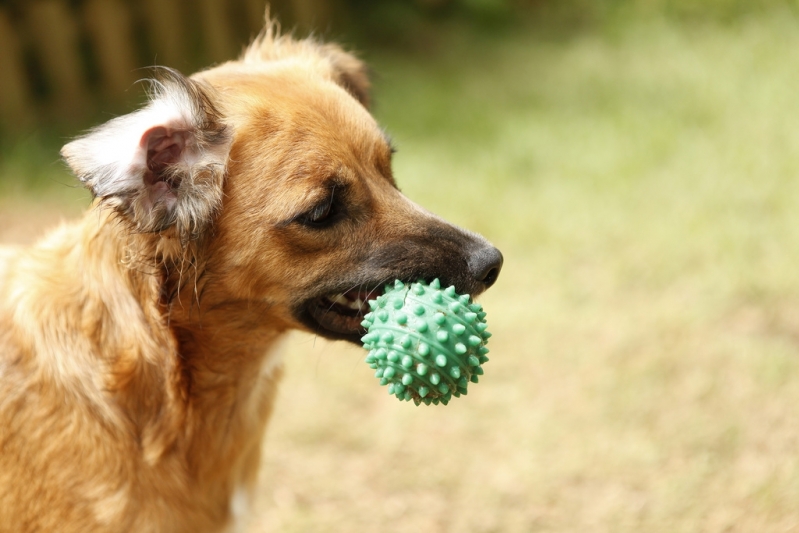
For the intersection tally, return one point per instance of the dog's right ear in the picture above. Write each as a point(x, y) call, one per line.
point(161, 166)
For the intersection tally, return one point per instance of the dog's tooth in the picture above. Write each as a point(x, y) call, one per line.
point(339, 299)
point(356, 304)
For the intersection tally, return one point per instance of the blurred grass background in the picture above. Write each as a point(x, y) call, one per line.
point(636, 163)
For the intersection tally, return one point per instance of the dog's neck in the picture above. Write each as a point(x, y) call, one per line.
point(209, 393)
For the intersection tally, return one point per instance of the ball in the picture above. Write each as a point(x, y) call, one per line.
point(426, 343)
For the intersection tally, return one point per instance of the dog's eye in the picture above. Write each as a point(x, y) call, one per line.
point(322, 214)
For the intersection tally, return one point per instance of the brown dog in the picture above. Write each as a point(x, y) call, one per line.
point(136, 371)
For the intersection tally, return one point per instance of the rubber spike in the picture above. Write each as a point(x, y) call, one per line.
point(406, 341)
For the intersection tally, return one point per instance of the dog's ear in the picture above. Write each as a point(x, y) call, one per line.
point(349, 72)
point(161, 166)
point(345, 69)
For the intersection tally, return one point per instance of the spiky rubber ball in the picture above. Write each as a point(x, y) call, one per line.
point(426, 343)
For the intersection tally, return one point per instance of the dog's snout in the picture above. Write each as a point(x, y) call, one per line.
point(485, 265)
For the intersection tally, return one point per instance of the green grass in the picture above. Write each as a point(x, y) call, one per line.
point(30, 166)
point(644, 376)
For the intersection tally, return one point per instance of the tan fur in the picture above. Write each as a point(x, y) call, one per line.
point(137, 370)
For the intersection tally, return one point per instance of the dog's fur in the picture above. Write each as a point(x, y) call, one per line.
point(136, 364)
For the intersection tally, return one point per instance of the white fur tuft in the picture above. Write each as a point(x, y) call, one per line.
point(182, 188)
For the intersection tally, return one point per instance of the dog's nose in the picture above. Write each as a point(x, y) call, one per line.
point(485, 264)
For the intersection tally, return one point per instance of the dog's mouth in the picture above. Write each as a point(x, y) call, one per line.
point(340, 314)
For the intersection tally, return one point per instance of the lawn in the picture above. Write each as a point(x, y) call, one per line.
point(640, 180)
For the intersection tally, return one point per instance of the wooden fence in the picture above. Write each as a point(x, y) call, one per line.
point(59, 58)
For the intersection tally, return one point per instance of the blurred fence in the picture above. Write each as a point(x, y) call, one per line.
point(64, 59)
point(59, 57)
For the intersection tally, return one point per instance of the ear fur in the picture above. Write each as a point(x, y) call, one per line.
point(161, 166)
point(349, 72)
point(344, 68)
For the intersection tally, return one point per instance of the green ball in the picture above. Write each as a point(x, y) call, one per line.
point(426, 343)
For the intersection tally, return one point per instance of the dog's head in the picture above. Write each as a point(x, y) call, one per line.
point(273, 172)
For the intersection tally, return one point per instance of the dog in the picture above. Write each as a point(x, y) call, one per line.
point(137, 360)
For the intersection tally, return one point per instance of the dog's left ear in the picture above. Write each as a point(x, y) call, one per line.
point(161, 166)
point(346, 70)
point(349, 72)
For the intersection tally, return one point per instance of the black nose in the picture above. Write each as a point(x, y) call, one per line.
point(485, 264)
